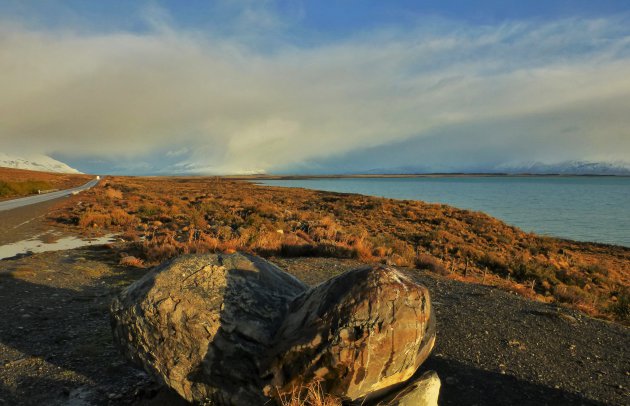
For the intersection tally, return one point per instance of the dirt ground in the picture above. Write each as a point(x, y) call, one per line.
point(25, 222)
point(493, 348)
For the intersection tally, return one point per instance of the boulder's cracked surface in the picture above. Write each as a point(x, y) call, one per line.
point(200, 323)
point(360, 333)
point(236, 330)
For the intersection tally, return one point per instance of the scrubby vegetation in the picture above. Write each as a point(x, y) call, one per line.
point(164, 217)
point(24, 188)
point(17, 182)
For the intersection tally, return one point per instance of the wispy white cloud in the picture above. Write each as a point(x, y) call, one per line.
point(178, 152)
point(541, 89)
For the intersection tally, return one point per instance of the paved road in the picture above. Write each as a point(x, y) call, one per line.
point(25, 201)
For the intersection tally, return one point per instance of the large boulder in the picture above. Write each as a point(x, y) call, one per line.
point(360, 335)
point(237, 330)
point(200, 323)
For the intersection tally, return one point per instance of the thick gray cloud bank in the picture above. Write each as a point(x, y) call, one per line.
point(173, 100)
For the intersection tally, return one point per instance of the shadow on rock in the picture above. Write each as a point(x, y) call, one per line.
point(201, 323)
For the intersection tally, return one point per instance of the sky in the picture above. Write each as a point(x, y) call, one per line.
point(227, 87)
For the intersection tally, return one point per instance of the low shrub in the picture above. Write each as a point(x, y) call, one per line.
point(121, 218)
point(113, 193)
point(495, 264)
point(23, 188)
point(571, 294)
point(94, 219)
point(621, 307)
point(131, 261)
point(430, 263)
point(148, 211)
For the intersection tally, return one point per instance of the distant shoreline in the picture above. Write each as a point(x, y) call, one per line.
point(419, 175)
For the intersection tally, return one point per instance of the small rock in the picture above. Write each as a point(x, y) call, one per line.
point(424, 391)
point(569, 318)
point(517, 344)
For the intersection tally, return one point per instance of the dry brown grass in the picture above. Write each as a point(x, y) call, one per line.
point(121, 218)
point(311, 395)
point(94, 219)
point(164, 217)
point(430, 263)
point(113, 193)
point(131, 261)
point(18, 182)
point(19, 273)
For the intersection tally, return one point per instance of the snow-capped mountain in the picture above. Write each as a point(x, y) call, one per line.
point(568, 168)
point(619, 168)
point(42, 163)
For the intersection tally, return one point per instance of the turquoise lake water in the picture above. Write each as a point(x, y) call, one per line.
point(579, 208)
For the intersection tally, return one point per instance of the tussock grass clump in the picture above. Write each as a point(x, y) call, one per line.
point(94, 219)
point(131, 261)
point(430, 263)
point(621, 306)
point(311, 395)
point(121, 218)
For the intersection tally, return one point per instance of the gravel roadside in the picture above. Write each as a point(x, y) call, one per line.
point(493, 348)
point(496, 348)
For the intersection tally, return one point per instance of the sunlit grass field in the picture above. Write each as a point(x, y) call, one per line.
point(165, 217)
